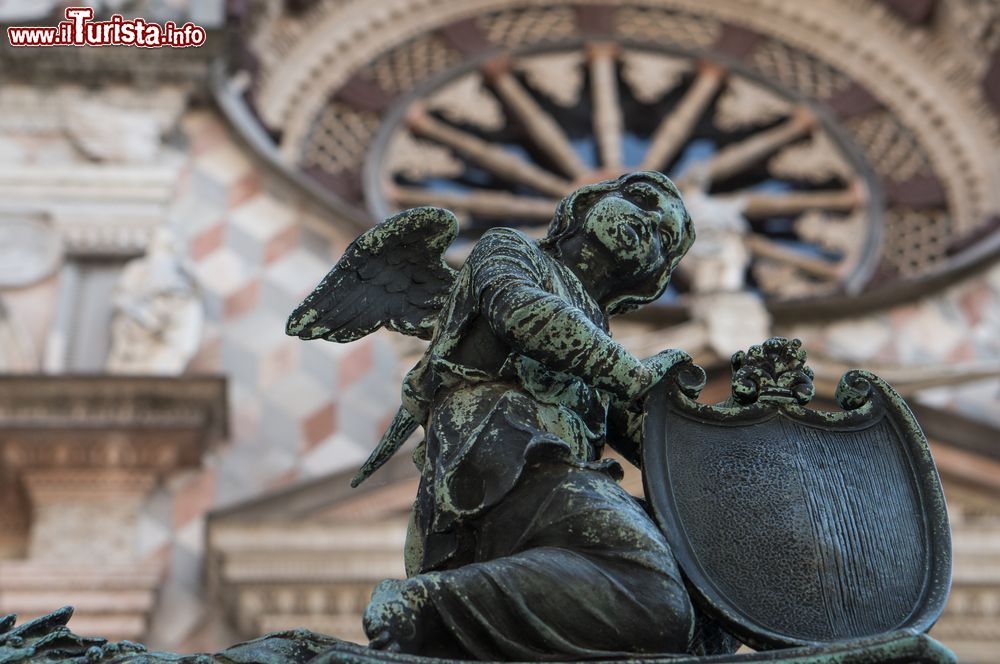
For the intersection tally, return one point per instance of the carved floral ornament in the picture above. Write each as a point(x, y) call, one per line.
point(828, 155)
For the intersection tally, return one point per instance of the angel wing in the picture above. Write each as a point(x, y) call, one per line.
point(393, 275)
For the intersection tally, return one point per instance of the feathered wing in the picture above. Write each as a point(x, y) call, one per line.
point(393, 275)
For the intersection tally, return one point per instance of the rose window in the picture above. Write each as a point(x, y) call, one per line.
point(821, 176)
point(772, 185)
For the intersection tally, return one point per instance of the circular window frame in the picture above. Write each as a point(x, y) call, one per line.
point(861, 273)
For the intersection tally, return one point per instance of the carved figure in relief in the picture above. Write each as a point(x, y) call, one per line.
point(731, 317)
point(719, 261)
point(158, 317)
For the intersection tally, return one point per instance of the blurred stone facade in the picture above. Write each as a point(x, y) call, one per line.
point(199, 507)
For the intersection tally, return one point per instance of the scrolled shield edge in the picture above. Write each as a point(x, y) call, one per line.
point(860, 394)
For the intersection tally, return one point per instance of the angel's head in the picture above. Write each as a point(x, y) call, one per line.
point(629, 233)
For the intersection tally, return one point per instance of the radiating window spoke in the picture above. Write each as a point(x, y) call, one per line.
point(732, 144)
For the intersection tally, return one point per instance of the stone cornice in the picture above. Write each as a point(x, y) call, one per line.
point(83, 422)
point(93, 208)
point(59, 486)
point(112, 401)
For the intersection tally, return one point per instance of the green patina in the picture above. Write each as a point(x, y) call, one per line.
point(521, 545)
point(515, 394)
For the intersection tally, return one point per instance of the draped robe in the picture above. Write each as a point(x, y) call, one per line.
point(521, 538)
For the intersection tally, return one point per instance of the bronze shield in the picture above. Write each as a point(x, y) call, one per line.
point(795, 526)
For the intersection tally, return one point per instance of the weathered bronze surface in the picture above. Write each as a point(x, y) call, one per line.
point(821, 536)
point(796, 526)
point(522, 545)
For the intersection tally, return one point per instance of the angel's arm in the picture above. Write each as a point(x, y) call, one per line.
point(544, 326)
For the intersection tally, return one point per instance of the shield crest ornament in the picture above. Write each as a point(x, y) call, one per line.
point(795, 526)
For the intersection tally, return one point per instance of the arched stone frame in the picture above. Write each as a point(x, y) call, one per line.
point(890, 63)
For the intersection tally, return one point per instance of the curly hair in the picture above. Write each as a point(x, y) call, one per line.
point(571, 214)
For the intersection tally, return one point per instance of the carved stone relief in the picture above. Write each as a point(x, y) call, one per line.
point(157, 325)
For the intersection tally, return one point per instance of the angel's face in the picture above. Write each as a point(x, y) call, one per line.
point(638, 226)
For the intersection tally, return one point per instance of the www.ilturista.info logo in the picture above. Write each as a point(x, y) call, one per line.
point(80, 30)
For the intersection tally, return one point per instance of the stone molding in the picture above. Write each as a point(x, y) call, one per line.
point(112, 600)
point(95, 209)
point(54, 486)
point(66, 403)
point(277, 577)
point(81, 454)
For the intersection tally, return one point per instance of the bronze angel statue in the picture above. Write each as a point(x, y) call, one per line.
point(820, 533)
point(793, 527)
point(521, 545)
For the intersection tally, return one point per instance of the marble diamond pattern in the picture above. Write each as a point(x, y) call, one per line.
point(296, 409)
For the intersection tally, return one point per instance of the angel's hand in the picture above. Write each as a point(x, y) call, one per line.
point(391, 619)
point(655, 368)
